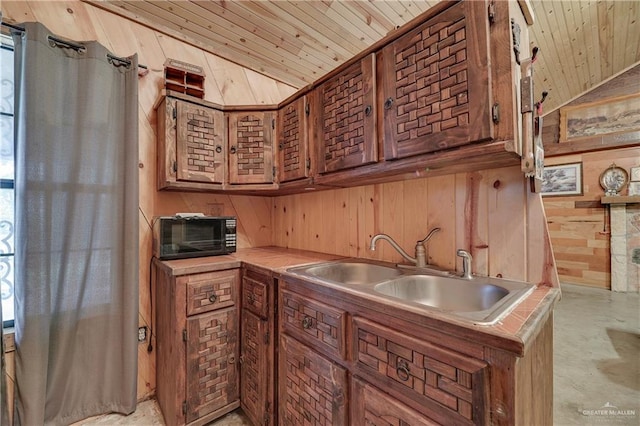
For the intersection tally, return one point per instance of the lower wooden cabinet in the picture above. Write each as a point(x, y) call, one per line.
point(312, 389)
point(398, 370)
point(197, 371)
point(257, 353)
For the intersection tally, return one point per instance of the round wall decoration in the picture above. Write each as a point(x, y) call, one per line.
point(613, 180)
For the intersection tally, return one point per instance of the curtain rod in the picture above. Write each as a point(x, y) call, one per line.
point(73, 45)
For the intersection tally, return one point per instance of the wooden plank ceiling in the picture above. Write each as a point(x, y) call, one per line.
point(582, 42)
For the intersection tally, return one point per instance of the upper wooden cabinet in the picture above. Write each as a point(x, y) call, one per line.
point(293, 141)
point(440, 95)
point(344, 118)
point(251, 146)
point(191, 144)
point(436, 85)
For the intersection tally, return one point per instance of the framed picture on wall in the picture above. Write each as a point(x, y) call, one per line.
point(562, 180)
point(614, 115)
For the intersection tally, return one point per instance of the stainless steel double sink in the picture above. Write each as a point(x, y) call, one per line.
point(481, 300)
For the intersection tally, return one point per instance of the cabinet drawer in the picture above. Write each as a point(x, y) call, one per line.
point(212, 290)
point(449, 387)
point(255, 295)
point(314, 323)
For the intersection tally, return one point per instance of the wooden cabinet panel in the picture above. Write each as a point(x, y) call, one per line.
point(251, 147)
point(315, 323)
point(450, 387)
point(436, 85)
point(344, 118)
point(370, 406)
point(212, 351)
point(255, 392)
point(200, 143)
point(214, 290)
point(312, 389)
point(293, 141)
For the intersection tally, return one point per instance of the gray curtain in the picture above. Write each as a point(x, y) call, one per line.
point(76, 127)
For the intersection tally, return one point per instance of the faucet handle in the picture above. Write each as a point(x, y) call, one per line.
point(429, 235)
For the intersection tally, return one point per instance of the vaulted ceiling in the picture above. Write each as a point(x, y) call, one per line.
point(582, 42)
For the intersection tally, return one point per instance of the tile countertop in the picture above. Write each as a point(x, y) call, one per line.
point(276, 259)
point(518, 328)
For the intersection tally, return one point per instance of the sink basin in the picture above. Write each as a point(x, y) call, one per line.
point(355, 272)
point(444, 293)
point(481, 300)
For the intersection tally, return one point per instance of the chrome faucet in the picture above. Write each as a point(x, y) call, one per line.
point(421, 252)
point(466, 263)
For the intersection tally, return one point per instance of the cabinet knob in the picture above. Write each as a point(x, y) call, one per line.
point(218, 149)
point(402, 370)
point(232, 149)
point(231, 359)
point(388, 103)
point(251, 299)
point(307, 322)
point(367, 110)
point(213, 298)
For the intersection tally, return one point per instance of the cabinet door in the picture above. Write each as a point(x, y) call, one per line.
point(312, 389)
point(251, 147)
point(256, 394)
point(345, 118)
point(436, 85)
point(293, 155)
point(212, 370)
point(199, 143)
point(369, 406)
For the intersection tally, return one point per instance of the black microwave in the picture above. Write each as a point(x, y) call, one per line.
point(181, 237)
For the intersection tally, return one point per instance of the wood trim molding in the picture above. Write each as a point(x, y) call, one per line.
point(595, 143)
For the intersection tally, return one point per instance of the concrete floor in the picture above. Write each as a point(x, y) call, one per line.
point(596, 364)
point(596, 357)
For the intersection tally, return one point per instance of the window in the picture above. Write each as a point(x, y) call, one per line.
point(7, 214)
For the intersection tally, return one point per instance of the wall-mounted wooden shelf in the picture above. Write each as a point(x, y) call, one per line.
point(184, 78)
point(621, 199)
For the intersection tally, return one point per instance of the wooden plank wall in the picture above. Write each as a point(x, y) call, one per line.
point(225, 83)
point(579, 226)
point(489, 213)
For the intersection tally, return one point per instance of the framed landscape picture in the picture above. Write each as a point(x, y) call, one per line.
point(562, 180)
point(608, 116)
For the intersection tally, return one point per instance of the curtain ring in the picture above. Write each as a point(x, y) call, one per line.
point(57, 42)
point(118, 62)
